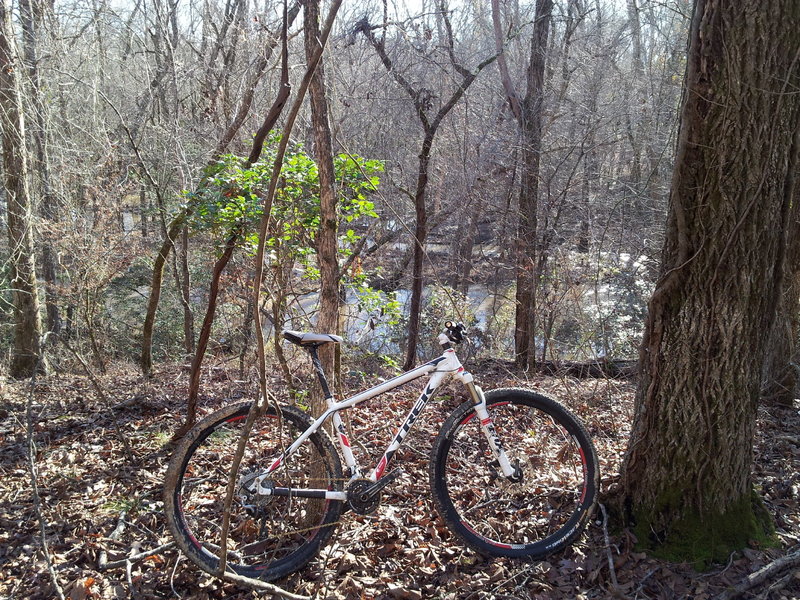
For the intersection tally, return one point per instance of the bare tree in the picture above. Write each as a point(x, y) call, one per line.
point(177, 224)
point(430, 122)
point(528, 112)
point(25, 358)
point(31, 16)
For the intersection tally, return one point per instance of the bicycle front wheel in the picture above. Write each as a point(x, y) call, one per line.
point(535, 514)
point(269, 536)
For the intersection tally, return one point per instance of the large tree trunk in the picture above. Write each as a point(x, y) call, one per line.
point(25, 357)
point(686, 477)
point(326, 242)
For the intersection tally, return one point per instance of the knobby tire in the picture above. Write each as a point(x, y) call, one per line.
point(534, 517)
point(269, 536)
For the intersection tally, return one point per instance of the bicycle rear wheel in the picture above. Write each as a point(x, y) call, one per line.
point(269, 536)
point(535, 516)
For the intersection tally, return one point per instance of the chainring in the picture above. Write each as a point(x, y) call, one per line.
point(358, 500)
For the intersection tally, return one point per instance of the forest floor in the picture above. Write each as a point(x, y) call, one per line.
point(101, 504)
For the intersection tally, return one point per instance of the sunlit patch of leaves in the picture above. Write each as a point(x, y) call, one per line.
point(88, 484)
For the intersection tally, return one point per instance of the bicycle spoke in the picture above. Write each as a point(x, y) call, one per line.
point(531, 516)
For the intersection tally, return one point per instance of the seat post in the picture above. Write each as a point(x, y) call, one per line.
point(323, 380)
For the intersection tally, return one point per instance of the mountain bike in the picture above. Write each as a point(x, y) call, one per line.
point(513, 472)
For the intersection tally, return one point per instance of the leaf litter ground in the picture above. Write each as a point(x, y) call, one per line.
point(101, 505)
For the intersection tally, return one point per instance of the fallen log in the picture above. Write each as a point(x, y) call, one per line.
point(597, 369)
point(592, 369)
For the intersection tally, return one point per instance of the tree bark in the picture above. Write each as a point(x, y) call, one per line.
point(25, 357)
point(686, 481)
point(31, 22)
point(420, 233)
point(527, 230)
point(326, 239)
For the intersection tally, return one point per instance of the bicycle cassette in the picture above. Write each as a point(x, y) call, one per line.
point(249, 489)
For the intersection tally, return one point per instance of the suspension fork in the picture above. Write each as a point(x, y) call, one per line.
point(512, 472)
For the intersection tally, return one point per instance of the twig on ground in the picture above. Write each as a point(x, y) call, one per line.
point(102, 562)
point(129, 569)
point(641, 582)
point(607, 542)
point(138, 556)
point(716, 573)
point(776, 587)
point(763, 575)
point(262, 585)
point(172, 576)
point(328, 581)
point(129, 576)
point(31, 451)
point(500, 585)
point(788, 536)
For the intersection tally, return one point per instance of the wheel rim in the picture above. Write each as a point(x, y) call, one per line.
point(283, 530)
point(536, 512)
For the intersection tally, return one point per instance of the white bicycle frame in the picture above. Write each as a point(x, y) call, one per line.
point(439, 369)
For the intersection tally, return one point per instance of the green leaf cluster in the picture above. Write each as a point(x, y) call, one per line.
point(230, 200)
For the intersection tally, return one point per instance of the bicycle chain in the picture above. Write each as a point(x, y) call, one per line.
point(336, 523)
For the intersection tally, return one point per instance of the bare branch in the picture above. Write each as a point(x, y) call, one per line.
point(461, 69)
point(502, 65)
point(364, 27)
point(115, 564)
point(767, 573)
point(247, 98)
